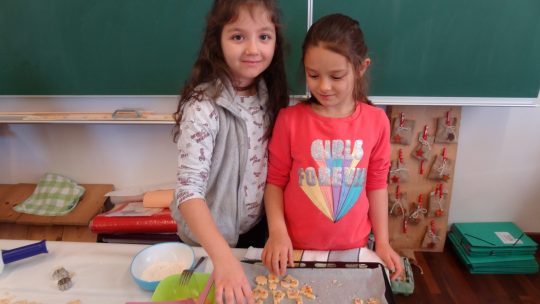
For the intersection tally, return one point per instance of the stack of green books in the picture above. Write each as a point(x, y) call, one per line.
point(494, 247)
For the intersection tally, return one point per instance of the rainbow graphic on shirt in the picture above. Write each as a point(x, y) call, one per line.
point(335, 186)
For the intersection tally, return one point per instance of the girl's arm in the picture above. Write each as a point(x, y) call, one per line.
point(378, 214)
point(230, 280)
point(194, 163)
point(278, 251)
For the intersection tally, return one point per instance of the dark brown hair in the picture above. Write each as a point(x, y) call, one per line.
point(210, 64)
point(342, 35)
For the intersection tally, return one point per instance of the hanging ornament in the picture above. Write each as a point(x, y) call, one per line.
point(437, 201)
point(402, 130)
point(442, 167)
point(398, 170)
point(396, 203)
point(431, 237)
point(418, 211)
point(423, 149)
point(446, 129)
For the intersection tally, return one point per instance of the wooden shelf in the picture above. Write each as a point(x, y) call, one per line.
point(126, 117)
point(90, 204)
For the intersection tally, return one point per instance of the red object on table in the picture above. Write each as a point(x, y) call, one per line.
point(160, 222)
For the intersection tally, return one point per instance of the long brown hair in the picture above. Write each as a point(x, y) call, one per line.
point(342, 35)
point(210, 64)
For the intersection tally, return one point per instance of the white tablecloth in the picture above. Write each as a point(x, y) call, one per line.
point(101, 273)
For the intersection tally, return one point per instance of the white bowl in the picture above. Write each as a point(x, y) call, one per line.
point(154, 263)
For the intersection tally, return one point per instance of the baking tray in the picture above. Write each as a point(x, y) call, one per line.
point(334, 282)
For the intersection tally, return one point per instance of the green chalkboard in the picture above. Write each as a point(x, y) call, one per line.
point(112, 47)
point(454, 48)
point(475, 48)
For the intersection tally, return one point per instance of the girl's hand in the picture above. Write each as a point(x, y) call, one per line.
point(231, 284)
point(390, 258)
point(278, 253)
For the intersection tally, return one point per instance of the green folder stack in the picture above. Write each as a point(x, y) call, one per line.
point(494, 247)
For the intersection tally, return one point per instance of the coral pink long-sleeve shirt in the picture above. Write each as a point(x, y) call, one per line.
point(325, 166)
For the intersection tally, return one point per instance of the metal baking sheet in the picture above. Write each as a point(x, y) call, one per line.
point(334, 285)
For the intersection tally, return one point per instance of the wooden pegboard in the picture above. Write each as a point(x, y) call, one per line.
point(420, 183)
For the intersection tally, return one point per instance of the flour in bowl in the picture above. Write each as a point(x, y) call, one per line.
point(160, 270)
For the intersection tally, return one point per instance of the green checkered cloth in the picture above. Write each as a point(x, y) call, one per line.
point(54, 195)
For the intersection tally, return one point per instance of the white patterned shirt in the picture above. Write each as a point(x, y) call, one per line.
point(198, 130)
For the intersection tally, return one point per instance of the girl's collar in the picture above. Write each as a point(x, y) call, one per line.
point(354, 115)
point(258, 86)
point(227, 94)
point(249, 90)
point(246, 88)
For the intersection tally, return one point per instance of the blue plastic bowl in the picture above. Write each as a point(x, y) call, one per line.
point(163, 252)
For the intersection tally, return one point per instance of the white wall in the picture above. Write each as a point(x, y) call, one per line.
point(497, 174)
point(123, 155)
